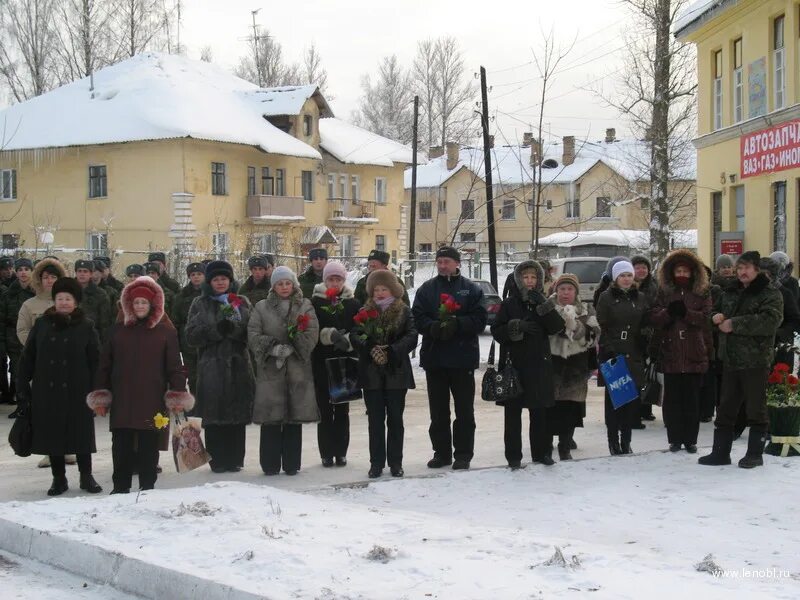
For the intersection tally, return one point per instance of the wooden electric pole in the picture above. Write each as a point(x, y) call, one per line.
point(487, 168)
point(412, 225)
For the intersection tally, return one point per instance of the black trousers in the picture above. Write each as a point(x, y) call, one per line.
point(645, 410)
point(58, 466)
point(4, 386)
point(134, 449)
point(225, 444)
point(333, 429)
point(539, 435)
point(385, 417)
point(744, 386)
point(682, 406)
point(280, 445)
point(461, 383)
point(708, 394)
point(619, 421)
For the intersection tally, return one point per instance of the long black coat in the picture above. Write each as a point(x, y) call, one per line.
point(225, 381)
point(623, 322)
point(56, 373)
point(342, 319)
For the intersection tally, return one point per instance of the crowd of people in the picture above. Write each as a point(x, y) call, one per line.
point(261, 353)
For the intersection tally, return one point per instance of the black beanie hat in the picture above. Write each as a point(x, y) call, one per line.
point(195, 268)
point(218, 267)
point(752, 257)
point(448, 252)
point(69, 286)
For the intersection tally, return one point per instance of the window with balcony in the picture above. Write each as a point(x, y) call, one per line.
point(307, 185)
point(8, 184)
point(509, 210)
point(218, 187)
point(603, 208)
point(380, 190)
point(98, 181)
point(467, 209)
point(267, 182)
point(778, 64)
point(355, 188)
point(280, 182)
point(425, 210)
point(251, 181)
point(738, 82)
point(717, 112)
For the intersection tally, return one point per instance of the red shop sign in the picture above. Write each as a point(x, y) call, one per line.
point(732, 247)
point(770, 150)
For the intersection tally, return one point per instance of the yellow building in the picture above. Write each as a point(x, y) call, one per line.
point(748, 124)
point(586, 186)
point(166, 153)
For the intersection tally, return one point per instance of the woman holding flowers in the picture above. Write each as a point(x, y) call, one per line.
point(217, 327)
point(335, 308)
point(282, 333)
point(383, 336)
point(140, 377)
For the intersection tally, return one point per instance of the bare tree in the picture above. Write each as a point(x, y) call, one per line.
point(140, 25)
point(385, 106)
point(265, 65)
point(656, 93)
point(86, 42)
point(424, 75)
point(313, 70)
point(28, 47)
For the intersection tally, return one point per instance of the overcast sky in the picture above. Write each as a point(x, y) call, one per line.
point(353, 35)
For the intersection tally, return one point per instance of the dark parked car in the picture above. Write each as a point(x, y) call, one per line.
point(491, 299)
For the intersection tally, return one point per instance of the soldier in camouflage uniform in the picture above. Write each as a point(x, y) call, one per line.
point(166, 282)
point(257, 286)
point(95, 303)
point(179, 315)
point(153, 269)
point(10, 303)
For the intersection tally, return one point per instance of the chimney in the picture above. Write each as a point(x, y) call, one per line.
point(611, 135)
point(536, 152)
point(452, 155)
point(491, 141)
point(568, 155)
point(435, 152)
point(527, 138)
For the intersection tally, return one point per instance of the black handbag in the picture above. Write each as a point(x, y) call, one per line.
point(502, 384)
point(343, 383)
point(651, 390)
point(20, 438)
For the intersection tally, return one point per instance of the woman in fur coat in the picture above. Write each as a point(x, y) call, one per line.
point(140, 375)
point(282, 333)
point(384, 369)
point(570, 350)
point(335, 308)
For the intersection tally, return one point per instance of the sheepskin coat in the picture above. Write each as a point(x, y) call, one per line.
point(570, 350)
point(35, 307)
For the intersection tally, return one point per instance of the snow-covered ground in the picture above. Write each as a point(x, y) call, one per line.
point(624, 525)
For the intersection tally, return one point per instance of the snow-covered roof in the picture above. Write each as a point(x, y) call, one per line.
point(695, 12)
point(511, 164)
point(633, 238)
point(351, 144)
point(289, 100)
point(150, 96)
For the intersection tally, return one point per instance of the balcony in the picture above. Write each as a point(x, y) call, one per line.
point(276, 210)
point(343, 211)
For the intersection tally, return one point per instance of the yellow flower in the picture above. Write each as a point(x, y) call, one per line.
point(160, 421)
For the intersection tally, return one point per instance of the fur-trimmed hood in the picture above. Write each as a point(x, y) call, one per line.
point(38, 270)
point(529, 264)
point(156, 306)
point(320, 288)
point(666, 277)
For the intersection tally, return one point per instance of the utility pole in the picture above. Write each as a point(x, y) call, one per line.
point(412, 230)
point(487, 168)
point(255, 46)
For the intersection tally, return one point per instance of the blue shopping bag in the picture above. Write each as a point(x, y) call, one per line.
point(619, 382)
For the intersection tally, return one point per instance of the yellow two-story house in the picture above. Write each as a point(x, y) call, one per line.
point(748, 143)
point(160, 152)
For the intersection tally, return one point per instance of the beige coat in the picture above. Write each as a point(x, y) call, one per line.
point(33, 308)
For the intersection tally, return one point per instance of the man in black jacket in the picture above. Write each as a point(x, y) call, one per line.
point(450, 354)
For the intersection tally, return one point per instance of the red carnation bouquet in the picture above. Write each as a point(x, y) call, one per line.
point(368, 321)
point(231, 309)
point(781, 385)
point(447, 307)
point(336, 305)
point(298, 326)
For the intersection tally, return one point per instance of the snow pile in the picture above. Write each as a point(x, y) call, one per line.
point(287, 100)
point(617, 525)
point(351, 144)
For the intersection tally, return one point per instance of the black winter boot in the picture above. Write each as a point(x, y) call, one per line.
point(721, 452)
point(625, 441)
point(88, 484)
point(755, 449)
point(613, 444)
point(59, 486)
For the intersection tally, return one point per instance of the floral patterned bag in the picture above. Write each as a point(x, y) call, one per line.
point(187, 443)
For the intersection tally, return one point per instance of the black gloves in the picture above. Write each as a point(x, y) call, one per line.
point(676, 309)
point(530, 327)
point(339, 340)
point(536, 297)
point(447, 329)
point(225, 326)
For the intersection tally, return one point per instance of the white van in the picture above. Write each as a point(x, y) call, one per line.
point(588, 269)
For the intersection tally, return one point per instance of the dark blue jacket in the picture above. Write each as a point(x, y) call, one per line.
point(462, 350)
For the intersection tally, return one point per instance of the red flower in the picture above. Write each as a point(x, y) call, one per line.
point(302, 322)
point(331, 293)
point(444, 297)
point(373, 314)
point(782, 368)
point(792, 380)
point(360, 317)
point(234, 300)
point(775, 377)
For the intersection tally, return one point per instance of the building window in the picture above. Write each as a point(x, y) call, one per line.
point(280, 182)
point(268, 242)
point(739, 199)
point(574, 201)
point(332, 185)
point(346, 245)
point(548, 205)
point(98, 243)
point(778, 63)
point(380, 243)
point(307, 182)
point(251, 181)
point(467, 238)
point(644, 203)
point(8, 184)
point(603, 208)
point(426, 248)
point(355, 188)
point(779, 216)
point(343, 186)
point(467, 209)
point(425, 210)
point(380, 190)
point(10, 241)
point(442, 205)
point(220, 243)
point(718, 89)
point(218, 179)
point(307, 125)
point(716, 219)
point(98, 182)
point(509, 210)
point(267, 182)
point(738, 82)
